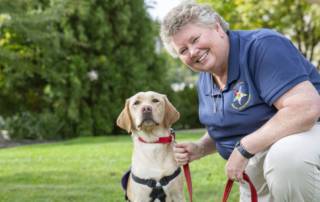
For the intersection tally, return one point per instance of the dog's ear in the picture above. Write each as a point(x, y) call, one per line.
point(171, 114)
point(124, 120)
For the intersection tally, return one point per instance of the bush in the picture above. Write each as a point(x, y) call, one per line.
point(33, 126)
point(186, 102)
point(2, 123)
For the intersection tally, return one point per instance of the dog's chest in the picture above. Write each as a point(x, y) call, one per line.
point(156, 161)
point(153, 160)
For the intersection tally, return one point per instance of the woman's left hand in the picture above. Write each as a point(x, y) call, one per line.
point(235, 166)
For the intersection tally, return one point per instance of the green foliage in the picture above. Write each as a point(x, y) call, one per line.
point(185, 97)
point(297, 19)
point(23, 41)
point(33, 126)
point(186, 101)
point(49, 49)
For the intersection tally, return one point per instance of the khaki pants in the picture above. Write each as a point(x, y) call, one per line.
point(289, 171)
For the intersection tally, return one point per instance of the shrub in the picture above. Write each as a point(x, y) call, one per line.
point(28, 125)
point(186, 102)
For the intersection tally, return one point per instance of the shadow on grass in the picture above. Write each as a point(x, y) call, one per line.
point(75, 141)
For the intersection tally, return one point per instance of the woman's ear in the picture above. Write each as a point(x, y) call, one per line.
point(219, 29)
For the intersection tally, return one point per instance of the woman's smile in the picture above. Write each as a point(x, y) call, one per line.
point(201, 48)
point(203, 57)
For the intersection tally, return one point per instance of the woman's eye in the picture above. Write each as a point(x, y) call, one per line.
point(136, 102)
point(195, 39)
point(183, 51)
point(154, 100)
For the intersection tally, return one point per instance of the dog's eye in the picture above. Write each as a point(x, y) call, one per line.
point(136, 102)
point(154, 100)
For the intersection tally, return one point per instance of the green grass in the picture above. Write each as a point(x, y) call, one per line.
point(89, 170)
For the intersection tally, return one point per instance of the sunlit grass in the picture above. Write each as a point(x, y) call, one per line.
point(90, 169)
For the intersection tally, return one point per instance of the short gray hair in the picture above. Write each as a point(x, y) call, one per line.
point(185, 13)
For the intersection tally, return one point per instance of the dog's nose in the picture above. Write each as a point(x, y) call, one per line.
point(146, 109)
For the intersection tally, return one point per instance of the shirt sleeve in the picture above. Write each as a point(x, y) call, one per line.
point(277, 67)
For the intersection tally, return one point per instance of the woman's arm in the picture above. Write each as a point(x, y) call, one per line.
point(206, 144)
point(298, 110)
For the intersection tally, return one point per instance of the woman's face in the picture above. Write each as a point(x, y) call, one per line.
point(202, 48)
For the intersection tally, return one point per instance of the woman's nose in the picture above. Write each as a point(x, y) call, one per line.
point(193, 52)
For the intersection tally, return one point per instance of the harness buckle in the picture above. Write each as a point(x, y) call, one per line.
point(151, 183)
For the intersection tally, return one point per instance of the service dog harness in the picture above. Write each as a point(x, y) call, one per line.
point(157, 186)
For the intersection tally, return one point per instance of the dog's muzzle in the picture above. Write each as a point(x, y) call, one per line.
point(147, 119)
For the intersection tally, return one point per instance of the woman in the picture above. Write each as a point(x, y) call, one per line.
point(259, 100)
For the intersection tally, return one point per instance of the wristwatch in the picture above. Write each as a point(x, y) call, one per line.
point(243, 151)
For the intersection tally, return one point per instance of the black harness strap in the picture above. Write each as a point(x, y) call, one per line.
point(157, 187)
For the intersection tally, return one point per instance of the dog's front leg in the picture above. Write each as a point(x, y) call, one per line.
point(140, 193)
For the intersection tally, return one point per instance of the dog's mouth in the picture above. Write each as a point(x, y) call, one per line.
point(147, 120)
point(148, 123)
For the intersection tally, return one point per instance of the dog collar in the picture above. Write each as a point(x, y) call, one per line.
point(162, 140)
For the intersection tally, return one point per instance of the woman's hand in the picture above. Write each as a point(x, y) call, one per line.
point(187, 152)
point(235, 166)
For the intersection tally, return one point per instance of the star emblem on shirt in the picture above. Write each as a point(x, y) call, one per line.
point(238, 95)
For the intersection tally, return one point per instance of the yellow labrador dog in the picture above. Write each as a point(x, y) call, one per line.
point(155, 175)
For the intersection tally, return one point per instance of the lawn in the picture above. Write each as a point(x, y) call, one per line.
point(89, 169)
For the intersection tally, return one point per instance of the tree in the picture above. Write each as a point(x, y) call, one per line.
point(93, 55)
point(25, 38)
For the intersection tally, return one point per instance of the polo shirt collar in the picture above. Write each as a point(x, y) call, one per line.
point(234, 55)
point(210, 88)
point(233, 66)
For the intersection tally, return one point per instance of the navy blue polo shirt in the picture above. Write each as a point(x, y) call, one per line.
point(263, 65)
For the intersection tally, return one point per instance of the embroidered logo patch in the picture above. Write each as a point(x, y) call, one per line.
point(241, 96)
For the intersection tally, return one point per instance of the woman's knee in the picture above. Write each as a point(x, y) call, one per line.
point(281, 167)
point(289, 170)
point(284, 158)
point(290, 155)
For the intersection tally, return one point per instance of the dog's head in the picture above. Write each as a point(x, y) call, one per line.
point(147, 110)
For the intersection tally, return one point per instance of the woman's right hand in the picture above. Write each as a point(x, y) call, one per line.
point(187, 152)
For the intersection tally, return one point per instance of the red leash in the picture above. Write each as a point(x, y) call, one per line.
point(187, 175)
point(227, 189)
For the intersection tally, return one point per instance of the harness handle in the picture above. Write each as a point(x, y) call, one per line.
point(227, 189)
